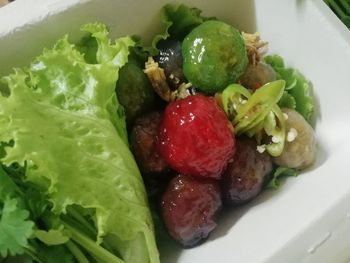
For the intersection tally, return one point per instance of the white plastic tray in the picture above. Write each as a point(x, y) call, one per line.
point(308, 219)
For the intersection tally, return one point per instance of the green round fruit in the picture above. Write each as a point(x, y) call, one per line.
point(214, 56)
point(134, 91)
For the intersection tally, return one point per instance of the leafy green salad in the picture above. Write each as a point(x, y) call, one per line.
point(70, 189)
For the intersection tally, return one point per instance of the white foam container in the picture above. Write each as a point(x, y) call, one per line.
point(308, 219)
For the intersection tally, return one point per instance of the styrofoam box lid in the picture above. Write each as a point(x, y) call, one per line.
point(308, 218)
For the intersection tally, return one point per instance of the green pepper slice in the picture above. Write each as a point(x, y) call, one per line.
point(258, 114)
point(233, 98)
point(277, 130)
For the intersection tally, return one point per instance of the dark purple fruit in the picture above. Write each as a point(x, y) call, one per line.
point(143, 144)
point(170, 59)
point(189, 207)
point(244, 177)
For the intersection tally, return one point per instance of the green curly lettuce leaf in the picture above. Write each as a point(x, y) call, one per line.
point(69, 134)
point(297, 93)
point(88, 47)
point(178, 21)
point(287, 101)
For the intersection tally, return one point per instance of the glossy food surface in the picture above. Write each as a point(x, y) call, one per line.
point(189, 206)
point(143, 144)
point(195, 137)
point(214, 56)
point(244, 177)
point(170, 59)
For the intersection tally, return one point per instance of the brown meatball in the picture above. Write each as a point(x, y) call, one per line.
point(244, 177)
point(189, 207)
point(143, 144)
point(300, 149)
point(257, 76)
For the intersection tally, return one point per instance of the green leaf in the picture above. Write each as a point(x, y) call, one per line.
point(304, 101)
point(52, 237)
point(68, 131)
point(287, 101)
point(35, 201)
point(117, 55)
point(178, 21)
point(288, 74)
point(15, 228)
point(7, 187)
point(106, 52)
point(140, 52)
point(54, 254)
point(88, 46)
point(17, 259)
point(279, 173)
point(275, 61)
point(296, 86)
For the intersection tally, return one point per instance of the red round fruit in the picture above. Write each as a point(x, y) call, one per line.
point(195, 137)
point(189, 208)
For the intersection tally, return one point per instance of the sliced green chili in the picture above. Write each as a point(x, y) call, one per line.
point(254, 113)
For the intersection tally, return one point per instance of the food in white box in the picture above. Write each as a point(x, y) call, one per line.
point(294, 135)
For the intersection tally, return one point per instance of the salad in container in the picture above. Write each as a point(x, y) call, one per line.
point(111, 146)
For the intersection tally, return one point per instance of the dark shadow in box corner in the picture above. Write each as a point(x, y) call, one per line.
point(170, 251)
point(232, 214)
point(322, 154)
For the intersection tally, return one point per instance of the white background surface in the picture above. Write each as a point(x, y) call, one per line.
point(308, 219)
